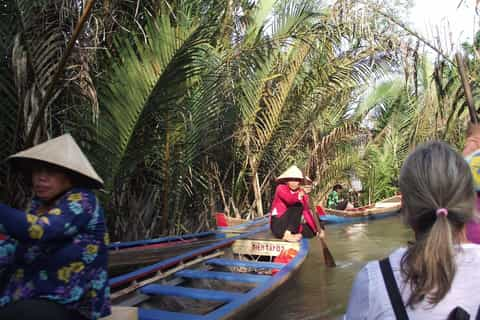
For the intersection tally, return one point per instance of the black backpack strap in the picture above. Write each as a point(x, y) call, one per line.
point(392, 289)
point(458, 314)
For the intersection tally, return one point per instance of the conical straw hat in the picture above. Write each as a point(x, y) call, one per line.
point(64, 152)
point(291, 173)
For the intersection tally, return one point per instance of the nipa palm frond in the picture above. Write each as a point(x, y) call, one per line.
point(144, 80)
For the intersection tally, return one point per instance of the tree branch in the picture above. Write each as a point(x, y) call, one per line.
point(61, 66)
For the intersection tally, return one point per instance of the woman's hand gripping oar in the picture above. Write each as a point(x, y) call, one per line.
point(327, 255)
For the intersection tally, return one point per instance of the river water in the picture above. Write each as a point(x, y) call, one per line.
point(317, 292)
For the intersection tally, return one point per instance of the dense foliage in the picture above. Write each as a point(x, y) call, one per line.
point(188, 107)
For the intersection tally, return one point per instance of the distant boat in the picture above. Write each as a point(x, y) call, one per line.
point(224, 280)
point(230, 226)
point(382, 209)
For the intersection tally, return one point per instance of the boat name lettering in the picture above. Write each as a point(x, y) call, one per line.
point(259, 246)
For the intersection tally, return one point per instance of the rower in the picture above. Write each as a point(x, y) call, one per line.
point(54, 261)
point(290, 202)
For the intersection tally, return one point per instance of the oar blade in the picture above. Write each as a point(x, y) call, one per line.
point(327, 256)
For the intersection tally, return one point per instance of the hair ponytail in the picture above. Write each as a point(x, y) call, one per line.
point(429, 264)
point(433, 178)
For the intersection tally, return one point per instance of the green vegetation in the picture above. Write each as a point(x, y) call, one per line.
point(188, 107)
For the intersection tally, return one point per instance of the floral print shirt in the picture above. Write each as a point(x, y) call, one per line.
point(59, 255)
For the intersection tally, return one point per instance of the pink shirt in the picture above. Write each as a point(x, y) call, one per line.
point(285, 197)
point(473, 228)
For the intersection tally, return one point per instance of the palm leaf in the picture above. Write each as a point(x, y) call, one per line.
point(145, 80)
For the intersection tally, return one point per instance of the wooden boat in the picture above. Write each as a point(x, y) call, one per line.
point(224, 280)
point(231, 226)
point(126, 256)
point(381, 209)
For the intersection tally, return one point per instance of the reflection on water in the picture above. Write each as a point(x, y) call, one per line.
point(318, 292)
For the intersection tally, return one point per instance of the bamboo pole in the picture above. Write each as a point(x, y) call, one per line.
point(462, 70)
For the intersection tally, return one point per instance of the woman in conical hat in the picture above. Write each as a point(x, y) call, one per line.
point(289, 204)
point(54, 261)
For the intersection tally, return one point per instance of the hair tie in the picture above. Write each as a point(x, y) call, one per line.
point(441, 212)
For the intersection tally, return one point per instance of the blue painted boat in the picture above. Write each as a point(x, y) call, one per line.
point(382, 209)
point(231, 226)
point(224, 280)
point(164, 240)
point(125, 255)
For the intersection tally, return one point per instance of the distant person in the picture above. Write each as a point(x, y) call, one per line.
point(435, 277)
point(289, 203)
point(53, 262)
point(354, 198)
point(335, 202)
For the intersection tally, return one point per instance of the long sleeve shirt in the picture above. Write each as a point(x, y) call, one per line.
point(369, 297)
point(60, 255)
point(332, 200)
point(285, 197)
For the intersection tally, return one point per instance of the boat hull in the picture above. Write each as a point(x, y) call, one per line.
point(126, 256)
point(382, 209)
point(234, 226)
point(241, 270)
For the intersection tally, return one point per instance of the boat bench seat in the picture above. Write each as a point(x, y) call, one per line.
point(194, 293)
point(153, 314)
point(122, 313)
point(226, 276)
point(246, 264)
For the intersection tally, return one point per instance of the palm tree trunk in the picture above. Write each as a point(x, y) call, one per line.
point(211, 195)
point(258, 195)
point(164, 223)
point(256, 187)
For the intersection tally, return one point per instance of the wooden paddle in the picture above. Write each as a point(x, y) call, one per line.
point(462, 69)
point(327, 255)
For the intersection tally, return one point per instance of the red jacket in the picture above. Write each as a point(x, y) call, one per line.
point(285, 197)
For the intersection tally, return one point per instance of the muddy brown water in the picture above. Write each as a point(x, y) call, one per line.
point(317, 292)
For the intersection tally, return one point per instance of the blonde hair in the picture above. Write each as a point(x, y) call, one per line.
point(434, 176)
